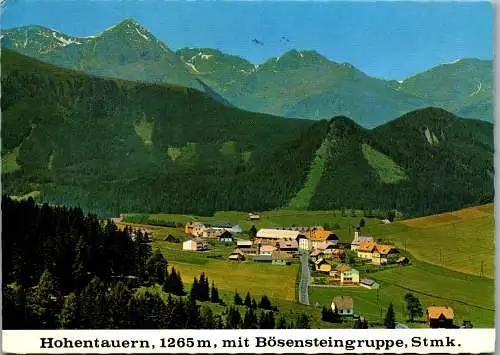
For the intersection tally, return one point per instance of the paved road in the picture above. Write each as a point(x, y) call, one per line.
point(304, 279)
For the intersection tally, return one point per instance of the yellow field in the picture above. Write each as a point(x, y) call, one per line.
point(460, 240)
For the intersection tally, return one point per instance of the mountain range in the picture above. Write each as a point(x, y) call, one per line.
point(299, 83)
point(112, 146)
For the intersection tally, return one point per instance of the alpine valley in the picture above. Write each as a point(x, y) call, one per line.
point(299, 83)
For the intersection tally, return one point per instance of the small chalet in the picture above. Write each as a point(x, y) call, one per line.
point(237, 255)
point(194, 245)
point(369, 283)
point(343, 305)
point(266, 250)
point(280, 258)
point(244, 244)
point(439, 317)
point(253, 217)
point(194, 228)
point(263, 258)
point(226, 237)
point(211, 233)
point(171, 239)
point(365, 250)
point(384, 254)
point(272, 236)
point(316, 254)
point(318, 236)
point(322, 266)
point(233, 228)
point(289, 246)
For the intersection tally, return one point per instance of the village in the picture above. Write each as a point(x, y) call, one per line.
point(329, 261)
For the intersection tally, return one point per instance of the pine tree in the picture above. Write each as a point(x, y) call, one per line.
point(69, 316)
point(265, 303)
point(254, 304)
point(118, 298)
point(214, 294)
point(45, 303)
point(237, 299)
point(207, 318)
point(155, 267)
point(253, 232)
point(250, 319)
point(93, 305)
point(195, 289)
point(266, 320)
point(390, 318)
point(193, 319)
point(233, 320)
point(248, 300)
point(167, 287)
point(413, 306)
point(303, 321)
point(281, 323)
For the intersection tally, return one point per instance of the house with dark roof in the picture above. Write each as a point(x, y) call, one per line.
point(226, 237)
point(263, 258)
point(344, 305)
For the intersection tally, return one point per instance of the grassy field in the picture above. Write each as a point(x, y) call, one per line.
point(471, 298)
point(461, 240)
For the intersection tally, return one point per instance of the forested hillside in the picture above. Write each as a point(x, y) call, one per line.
point(112, 146)
point(81, 273)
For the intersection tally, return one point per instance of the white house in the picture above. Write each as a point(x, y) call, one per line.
point(343, 305)
point(194, 245)
point(349, 277)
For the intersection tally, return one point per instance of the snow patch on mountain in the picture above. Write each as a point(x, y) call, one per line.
point(191, 65)
point(142, 34)
point(206, 56)
point(64, 41)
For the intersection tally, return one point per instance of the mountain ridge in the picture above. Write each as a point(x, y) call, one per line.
point(298, 83)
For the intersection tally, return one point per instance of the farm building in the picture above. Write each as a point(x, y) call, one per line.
point(358, 240)
point(171, 239)
point(211, 233)
point(318, 236)
point(384, 254)
point(403, 260)
point(365, 250)
point(439, 316)
point(271, 236)
point(343, 305)
point(237, 256)
point(280, 258)
point(385, 221)
point(266, 250)
point(289, 246)
point(243, 244)
point(263, 258)
point(253, 217)
point(194, 245)
point(226, 237)
point(233, 228)
point(369, 283)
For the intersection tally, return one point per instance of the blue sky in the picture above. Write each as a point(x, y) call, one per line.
point(390, 40)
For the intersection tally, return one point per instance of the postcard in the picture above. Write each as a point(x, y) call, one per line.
point(247, 176)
